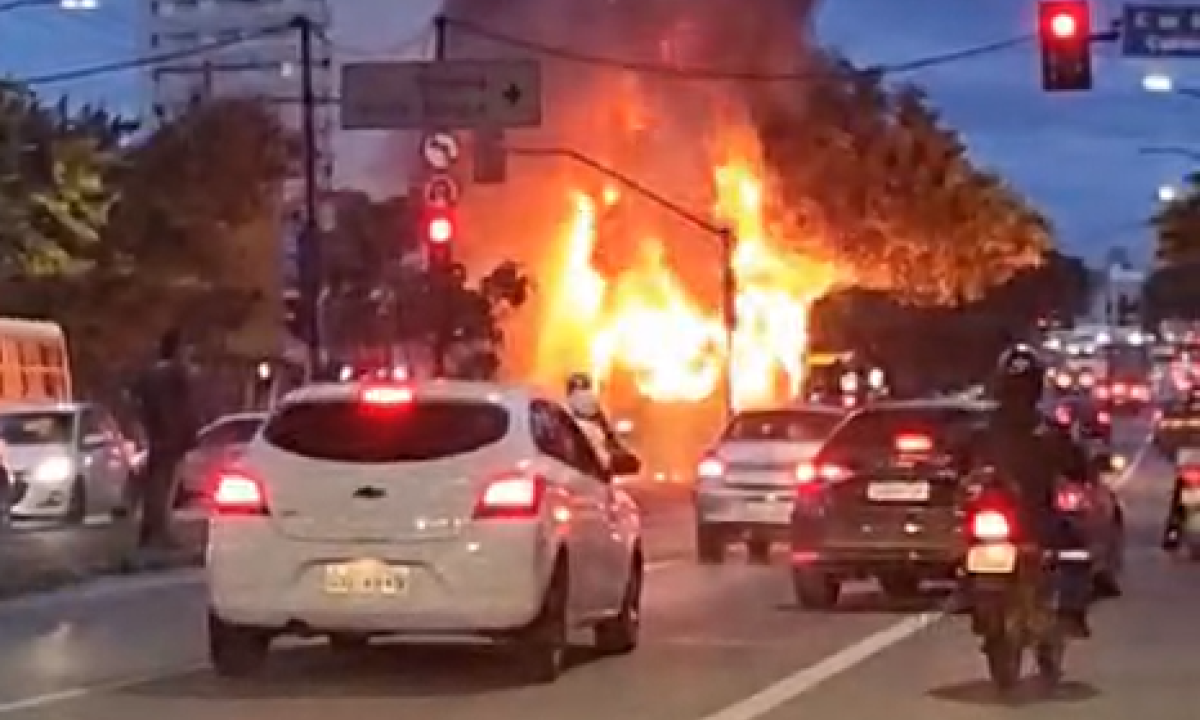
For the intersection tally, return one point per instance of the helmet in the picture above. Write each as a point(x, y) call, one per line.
point(577, 382)
point(1020, 377)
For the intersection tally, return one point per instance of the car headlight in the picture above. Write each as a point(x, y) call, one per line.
point(55, 469)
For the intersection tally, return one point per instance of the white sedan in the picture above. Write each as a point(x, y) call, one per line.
point(67, 461)
point(435, 509)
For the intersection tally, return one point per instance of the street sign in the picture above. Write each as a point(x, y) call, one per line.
point(442, 191)
point(448, 94)
point(1161, 31)
point(440, 150)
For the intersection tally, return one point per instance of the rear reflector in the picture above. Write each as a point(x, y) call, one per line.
point(990, 525)
point(512, 497)
point(238, 494)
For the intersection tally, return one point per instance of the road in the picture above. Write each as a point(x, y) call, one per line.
point(719, 643)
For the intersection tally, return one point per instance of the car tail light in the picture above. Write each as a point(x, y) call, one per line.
point(1140, 392)
point(1101, 392)
point(1119, 389)
point(1190, 475)
point(511, 497)
point(1087, 380)
point(808, 473)
point(237, 493)
point(1063, 381)
point(1104, 418)
point(990, 525)
point(1070, 498)
point(710, 468)
point(1062, 414)
point(386, 395)
point(911, 443)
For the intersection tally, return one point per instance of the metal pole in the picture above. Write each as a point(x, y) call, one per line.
point(439, 274)
point(729, 315)
point(312, 273)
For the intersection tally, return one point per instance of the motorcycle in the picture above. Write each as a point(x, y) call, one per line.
point(1188, 477)
point(1010, 585)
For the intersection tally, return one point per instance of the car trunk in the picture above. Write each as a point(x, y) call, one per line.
point(763, 464)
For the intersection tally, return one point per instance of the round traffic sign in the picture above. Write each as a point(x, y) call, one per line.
point(442, 191)
point(440, 150)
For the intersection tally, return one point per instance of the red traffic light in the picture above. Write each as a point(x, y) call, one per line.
point(440, 230)
point(1064, 25)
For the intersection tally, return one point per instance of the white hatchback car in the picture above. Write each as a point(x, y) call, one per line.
point(435, 509)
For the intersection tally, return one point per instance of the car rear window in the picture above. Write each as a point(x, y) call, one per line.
point(876, 431)
point(784, 425)
point(348, 431)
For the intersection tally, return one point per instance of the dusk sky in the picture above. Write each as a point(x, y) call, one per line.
point(1075, 155)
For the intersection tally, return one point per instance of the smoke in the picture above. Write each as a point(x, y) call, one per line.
point(660, 129)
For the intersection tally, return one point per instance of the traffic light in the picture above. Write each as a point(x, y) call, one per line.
point(1065, 36)
point(440, 231)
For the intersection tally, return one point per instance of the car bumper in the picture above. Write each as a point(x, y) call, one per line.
point(745, 510)
point(452, 586)
point(928, 562)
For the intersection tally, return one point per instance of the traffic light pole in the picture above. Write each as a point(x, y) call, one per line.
point(726, 236)
point(312, 275)
point(439, 270)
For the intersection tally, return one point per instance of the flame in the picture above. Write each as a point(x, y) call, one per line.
point(643, 321)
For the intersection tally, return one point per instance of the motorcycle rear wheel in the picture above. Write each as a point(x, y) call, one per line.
point(1049, 654)
point(1004, 655)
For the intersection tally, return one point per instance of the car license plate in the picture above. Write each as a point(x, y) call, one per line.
point(898, 492)
point(768, 512)
point(365, 577)
point(1190, 497)
point(992, 559)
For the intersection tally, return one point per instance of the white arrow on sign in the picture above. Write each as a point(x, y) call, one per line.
point(440, 150)
point(442, 191)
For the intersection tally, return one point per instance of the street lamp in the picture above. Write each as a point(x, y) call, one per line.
point(1165, 84)
point(1168, 193)
point(60, 4)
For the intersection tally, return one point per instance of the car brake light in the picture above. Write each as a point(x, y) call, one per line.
point(807, 473)
point(1140, 392)
point(1103, 418)
point(238, 494)
point(386, 395)
point(1101, 392)
point(990, 525)
point(1062, 414)
point(1070, 498)
point(710, 469)
point(913, 443)
point(1087, 380)
point(512, 497)
point(1190, 475)
point(1119, 389)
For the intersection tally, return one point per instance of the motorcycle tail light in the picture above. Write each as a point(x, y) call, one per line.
point(1070, 498)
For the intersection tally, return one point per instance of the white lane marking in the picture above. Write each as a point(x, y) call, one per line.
point(1138, 457)
point(77, 693)
point(789, 688)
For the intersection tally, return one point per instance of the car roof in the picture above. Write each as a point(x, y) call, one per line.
point(930, 404)
point(511, 395)
point(28, 407)
point(813, 408)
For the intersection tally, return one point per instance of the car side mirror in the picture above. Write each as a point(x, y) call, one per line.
point(624, 463)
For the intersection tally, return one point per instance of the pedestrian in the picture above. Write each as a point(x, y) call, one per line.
point(167, 404)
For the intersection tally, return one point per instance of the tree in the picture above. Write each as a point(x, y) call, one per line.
point(190, 238)
point(886, 189)
point(1177, 226)
point(55, 196)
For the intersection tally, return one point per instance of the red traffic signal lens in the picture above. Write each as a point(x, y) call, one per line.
point(440, 230)
point(1064, 26)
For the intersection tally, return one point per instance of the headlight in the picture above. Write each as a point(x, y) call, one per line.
point(55, 469)
point(623, 426)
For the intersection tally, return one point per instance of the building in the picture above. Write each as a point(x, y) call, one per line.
point(244, 58)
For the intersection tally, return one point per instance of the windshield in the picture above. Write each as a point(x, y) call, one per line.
point(783, 425)
point(40, 428)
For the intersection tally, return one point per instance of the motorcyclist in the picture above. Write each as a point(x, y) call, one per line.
point(1034, 453)
point(585, 406)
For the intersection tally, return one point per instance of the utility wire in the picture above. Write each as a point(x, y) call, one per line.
point(716, 74)
point(126, 65)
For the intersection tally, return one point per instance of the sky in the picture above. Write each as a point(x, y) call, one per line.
point(1075, 156)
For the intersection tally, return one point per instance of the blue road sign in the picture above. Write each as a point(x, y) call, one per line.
point(1161, 31)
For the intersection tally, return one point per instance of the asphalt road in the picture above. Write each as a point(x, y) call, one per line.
point(719, 643)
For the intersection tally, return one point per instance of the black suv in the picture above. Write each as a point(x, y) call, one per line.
point(881, 500)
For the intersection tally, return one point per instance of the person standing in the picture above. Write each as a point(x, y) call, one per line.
point(167, 405)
